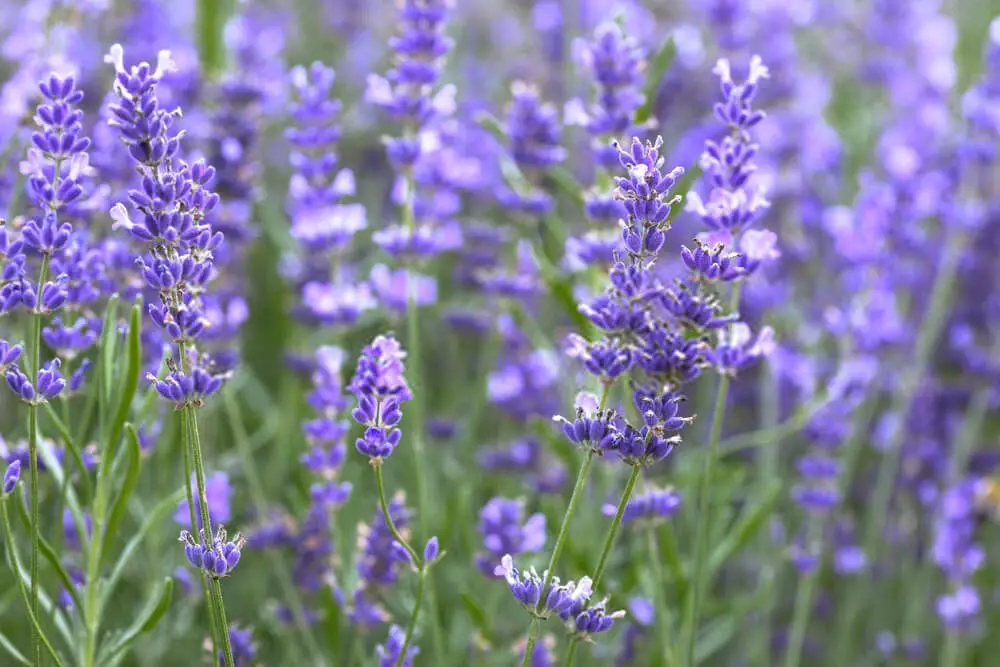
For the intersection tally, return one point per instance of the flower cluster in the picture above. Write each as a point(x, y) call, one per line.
point(614, 61)
point(505, 531)
point(380, 387)
point(174, 203)
point(217, 559)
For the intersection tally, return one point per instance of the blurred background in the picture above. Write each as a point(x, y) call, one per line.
point(880, 141)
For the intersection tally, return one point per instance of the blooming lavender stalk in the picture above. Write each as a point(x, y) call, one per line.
point(380, 387)
point(55, 165)
point(733, 205)
point(174, 203)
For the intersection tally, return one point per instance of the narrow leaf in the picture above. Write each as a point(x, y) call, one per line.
point(156, 607)
point(130, 380)
point(106, 352)
point(153, 519)
point(492, 124)
point(661, 62)
point(49, 554)
point(8, 646)
point(478, 616)
point(746, 528)
point(566, 181)
point(134, 454)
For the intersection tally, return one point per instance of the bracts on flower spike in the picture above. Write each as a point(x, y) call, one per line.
point(217, 560)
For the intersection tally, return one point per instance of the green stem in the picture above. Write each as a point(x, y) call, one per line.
point(206, 522)
point(193, 517)
point(609, 541)
point(951, 651)
point(15, 561)
point(571, 651)
point(529, 646)
point(414, 556)
point(414, 614)
point(616, 523)
point(927, 338)
point(260, 506)
point(36, 365)
point(804, 593)
point(210, 19)
point(417, 410)
point(702, 528)
point(581, 480)
point(659, 599)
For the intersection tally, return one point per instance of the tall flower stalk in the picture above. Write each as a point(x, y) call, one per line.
point(174, 203)
point(732, 206)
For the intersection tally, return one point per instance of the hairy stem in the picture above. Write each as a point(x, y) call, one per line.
point(609, 541)
point(16, 563)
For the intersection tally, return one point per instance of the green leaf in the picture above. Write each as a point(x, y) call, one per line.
point(154, 517)
point(513, 176)
point(106, 352)
point(566, 181)
point(70, 443)
point(49, 554)
point(717, 635)
point(156, 607)
point(130, 381)
point(492, 124)
point(661, 62)
point(134, 454)
point(746, 528)
point(478, 616)
point(8, 646)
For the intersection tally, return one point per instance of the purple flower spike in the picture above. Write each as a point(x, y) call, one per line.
point(596, 619)
point(11, 477)
point(389, 653)
point(432, 550)
point(8, 354)
point(218, 559)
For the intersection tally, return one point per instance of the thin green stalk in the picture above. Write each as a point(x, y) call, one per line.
point(414, 614)
point(210, 20)
point(927, 339)
point(418, 562)
point(951, 651)
point(417, 412)
point(36, 646)
point(529, 646)
point(260, 506)
point(36, 365)
point(16, 562)
point(616, 523)
point(206, 522)
point(701, 530)
point(888, 470)
point(414, 556)
point(659, 599)
point(805, 590)
point(768, 470)
point(574, 500)
point(962, 448)
point(193, 517)
point(609, 541)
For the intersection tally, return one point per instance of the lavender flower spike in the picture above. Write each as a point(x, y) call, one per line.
point(11, 477)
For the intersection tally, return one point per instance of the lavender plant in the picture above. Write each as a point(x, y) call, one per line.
point(429, 263)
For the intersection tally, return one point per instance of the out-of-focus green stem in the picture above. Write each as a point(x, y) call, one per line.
point(16, 563)
point(693, 608)
point(36, 365)
point(210, 20)
point(259, 499)
point(928, 333)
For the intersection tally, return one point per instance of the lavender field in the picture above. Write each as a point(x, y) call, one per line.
point(448, 333)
